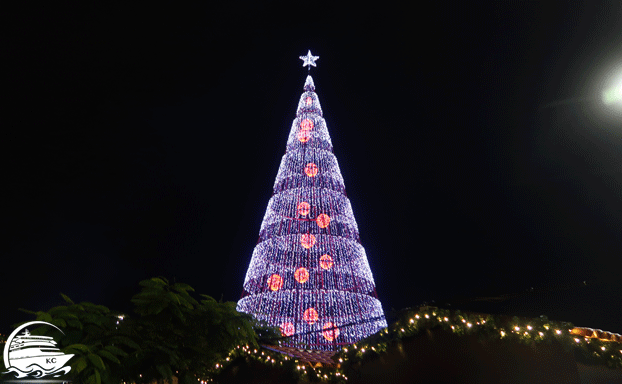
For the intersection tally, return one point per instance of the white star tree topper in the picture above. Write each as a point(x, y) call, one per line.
point(309, 60)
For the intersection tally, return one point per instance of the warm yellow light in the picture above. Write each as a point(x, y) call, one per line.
point(540, 333)
point(577, 339)
point(469, 325)
point(517, 328)
point(502, 333)
point(446, 319)
point(529, 327)
point(363, 350)
point(558, 331)
point(603, 348)
point(427, 316)
point(416, 316)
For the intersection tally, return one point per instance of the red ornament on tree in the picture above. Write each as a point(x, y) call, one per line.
point(275, 282)
point(301, 275)
point(304, 135)
point(311, 169)
point(310, 316)
point(287, 329)
point(330, 333)
point(306, 124)
point(303, 208)
point(326, 262)
point(323, 220)
point(307, 240)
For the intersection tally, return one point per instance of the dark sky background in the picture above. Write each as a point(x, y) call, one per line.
point(475, 149)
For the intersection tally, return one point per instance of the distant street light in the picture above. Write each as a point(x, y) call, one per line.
point(610, 96)
point(613, 94)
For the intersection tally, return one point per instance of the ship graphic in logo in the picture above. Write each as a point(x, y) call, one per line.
point(27, 355)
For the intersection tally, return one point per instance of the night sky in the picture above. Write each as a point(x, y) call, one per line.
point(477, 154)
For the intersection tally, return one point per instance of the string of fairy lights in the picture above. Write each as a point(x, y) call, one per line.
point(309, 274)
point(598, 347)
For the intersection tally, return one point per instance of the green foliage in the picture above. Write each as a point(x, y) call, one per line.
point(184, 335)
point(90, 334)
point(172, 334)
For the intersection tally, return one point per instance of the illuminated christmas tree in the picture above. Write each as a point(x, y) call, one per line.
point(309, 273)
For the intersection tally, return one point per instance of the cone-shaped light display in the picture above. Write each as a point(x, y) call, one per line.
point(309, 273)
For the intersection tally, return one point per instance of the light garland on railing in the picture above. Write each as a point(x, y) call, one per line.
point(276, 360)
point(605, 351)
point(308, 268)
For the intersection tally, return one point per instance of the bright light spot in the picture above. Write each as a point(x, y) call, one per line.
point(613, 95)
point(558, 331)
